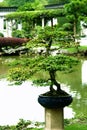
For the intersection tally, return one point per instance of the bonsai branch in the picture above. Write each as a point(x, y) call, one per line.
point(48, 46)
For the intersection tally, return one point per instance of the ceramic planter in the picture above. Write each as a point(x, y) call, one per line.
point(55, 101)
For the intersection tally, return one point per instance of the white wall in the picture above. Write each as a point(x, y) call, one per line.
point(8, 31)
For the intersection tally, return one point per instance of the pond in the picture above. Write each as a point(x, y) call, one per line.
point(20, 102)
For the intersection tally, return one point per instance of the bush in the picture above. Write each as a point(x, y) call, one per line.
point(4, 42)
point(1, 34)
point(18, 33)
point(24, 125)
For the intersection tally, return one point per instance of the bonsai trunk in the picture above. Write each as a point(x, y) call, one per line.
point(53, 81)
point(58, 92)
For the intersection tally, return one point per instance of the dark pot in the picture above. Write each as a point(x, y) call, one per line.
point(55, 101)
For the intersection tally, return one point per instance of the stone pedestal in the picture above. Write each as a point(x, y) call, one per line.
point(54, 119)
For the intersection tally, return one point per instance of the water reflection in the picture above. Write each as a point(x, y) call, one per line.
point(21, 102)
point(3, 65)
point(74, 83)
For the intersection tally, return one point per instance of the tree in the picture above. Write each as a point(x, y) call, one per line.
point(74, 12)
point(26, 7)
point(30, 6)
point(43, 61)
point(16, 2)
point(57, 1)
point(37, 3)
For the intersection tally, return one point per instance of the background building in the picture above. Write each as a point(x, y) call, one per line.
point(6, 26)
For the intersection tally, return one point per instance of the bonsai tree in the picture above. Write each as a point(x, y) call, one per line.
point(40, 59)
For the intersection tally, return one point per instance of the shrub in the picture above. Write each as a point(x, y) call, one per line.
point(18, 33)
point(4, 42)
point(1, 34)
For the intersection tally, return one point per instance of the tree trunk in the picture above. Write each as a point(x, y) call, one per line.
point(74, 30)
point(53, 81)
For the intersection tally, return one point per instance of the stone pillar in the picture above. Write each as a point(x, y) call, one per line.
point(54, 119)
point(43, 23)
point(1, 24)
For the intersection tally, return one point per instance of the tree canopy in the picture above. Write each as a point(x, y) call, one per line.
point(16, 2)
point(57, 1)
point(42, 2)
point(22, 2)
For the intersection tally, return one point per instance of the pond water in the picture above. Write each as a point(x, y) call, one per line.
point(18, 102)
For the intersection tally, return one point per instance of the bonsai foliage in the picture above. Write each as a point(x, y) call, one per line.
point(43, 61)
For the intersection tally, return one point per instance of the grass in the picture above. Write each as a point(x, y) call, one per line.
point(71, 127)
point(74, 49)
point(76, 127)
point(76, 124)
point(83, 47)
